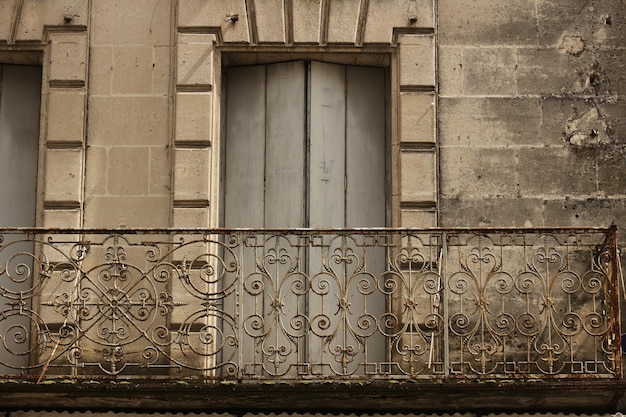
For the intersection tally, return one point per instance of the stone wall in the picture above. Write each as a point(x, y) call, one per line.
point(531, 115)
point(128, 172)
point(501, 113)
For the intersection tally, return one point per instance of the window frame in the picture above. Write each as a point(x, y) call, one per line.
point(382, 56)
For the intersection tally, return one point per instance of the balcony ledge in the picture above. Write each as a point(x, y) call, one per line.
point(589, 395)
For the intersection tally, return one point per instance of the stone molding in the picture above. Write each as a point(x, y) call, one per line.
point(209, 32)
point(55, 37)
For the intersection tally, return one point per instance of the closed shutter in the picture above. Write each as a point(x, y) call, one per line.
point(305, 147)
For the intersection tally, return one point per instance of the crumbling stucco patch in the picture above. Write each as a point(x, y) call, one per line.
point(588, 130)
point(573, 45)
point(589, 80)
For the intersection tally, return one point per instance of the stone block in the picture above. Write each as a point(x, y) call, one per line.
point(196, 38)
point(195, 60)
point(556, 114)
point(140, 22)
point(613, 78)
point(63, 174)
point(190, 298)
point(161, 71)
point(192, 249)
point(125, 163)
point(491, 212)
point(58, 251)
point(216, 13)
point(417, 60)
point(479, 172)
point(6, 17)
point(127, 211)
point(144, 255)
point(418, 218)
point(57, 290)
point(128, 120)
point(450, 71)
point(489, 122)
point(383, 18)
point(62, 250)
point(66, 116)
point(552, 72)
point(417, 176)
point(556, 171)
point(588, 131)
point(557, 19)
point(417, 117)
point(95, 170)
point(160, 170)
point(191, 174)
point(68, 57)
point(342, 21)
point(306, 21)
point(611, 16)
point(489, 71)
point(68, 219)
point(580, 212)
point(193, 116)
point(469, 22)
point(133, 68)
point(270, 21)
point(185, 217)
point(611, 169)
point(69, 36)
point(614, 113)
point(101, 70)
point(37, 14)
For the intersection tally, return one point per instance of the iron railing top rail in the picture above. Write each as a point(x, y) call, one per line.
point(304, 230)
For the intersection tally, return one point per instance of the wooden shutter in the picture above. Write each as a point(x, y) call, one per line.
point(305, 147)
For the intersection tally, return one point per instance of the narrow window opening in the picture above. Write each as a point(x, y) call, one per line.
point(20, 97)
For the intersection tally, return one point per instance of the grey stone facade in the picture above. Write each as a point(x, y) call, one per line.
point(500, 113)
point(521, 123)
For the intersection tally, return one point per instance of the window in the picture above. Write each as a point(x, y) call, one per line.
point(20, 92)
point(305, 147)
point(20, 88)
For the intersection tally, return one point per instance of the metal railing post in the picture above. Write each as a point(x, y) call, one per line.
point(446, 297)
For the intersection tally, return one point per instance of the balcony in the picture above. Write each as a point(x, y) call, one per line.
point(364, 318)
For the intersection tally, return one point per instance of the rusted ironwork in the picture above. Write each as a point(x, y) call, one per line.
point(309, 304)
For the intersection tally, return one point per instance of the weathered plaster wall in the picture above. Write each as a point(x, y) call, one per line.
point(531, 115)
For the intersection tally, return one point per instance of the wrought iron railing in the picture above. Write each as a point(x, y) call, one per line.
point(309, 304)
